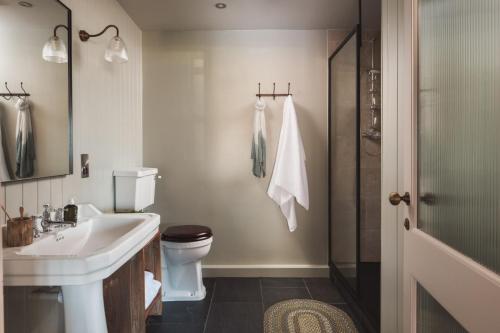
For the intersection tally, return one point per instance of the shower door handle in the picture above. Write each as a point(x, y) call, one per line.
point(395, 199)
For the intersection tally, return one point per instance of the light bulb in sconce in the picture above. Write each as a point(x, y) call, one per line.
point(116, 51)
point(55, 49)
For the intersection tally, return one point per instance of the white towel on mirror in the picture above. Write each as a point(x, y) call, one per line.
point(258, 153)
point(289, 179)
point(25, 143)
point(4, 170)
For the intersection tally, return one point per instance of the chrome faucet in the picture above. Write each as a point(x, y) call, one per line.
point(58, 221)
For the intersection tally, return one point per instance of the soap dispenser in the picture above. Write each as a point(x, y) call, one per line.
point(71, 211)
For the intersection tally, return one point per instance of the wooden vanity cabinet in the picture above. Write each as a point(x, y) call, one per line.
point(124, 291)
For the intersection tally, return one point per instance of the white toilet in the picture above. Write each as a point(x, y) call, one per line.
point(183, 247)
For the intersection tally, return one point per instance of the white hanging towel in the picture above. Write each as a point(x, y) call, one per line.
point(289, 180)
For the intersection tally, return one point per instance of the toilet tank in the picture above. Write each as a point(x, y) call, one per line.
point(134, 189)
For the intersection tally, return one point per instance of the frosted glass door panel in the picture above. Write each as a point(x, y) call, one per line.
point(459, 125)
point(432, 317)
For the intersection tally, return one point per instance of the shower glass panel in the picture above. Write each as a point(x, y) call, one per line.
point(343, 159)
point(458, 119)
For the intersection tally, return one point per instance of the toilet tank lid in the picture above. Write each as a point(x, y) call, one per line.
point(135, 172)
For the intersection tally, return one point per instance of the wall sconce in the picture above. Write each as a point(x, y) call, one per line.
point(54, 49)
point(116, 51)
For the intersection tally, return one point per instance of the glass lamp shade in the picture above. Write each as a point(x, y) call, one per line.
point(55, 50)
point(116, 51)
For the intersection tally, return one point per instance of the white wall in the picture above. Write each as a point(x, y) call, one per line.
point(107, 114)
point(199, 92)
point(107, 118)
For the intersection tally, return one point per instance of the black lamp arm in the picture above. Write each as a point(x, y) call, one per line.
point(59, 26)
point(84, 35)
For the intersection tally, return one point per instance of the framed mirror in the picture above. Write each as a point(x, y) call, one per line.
point(35, 90)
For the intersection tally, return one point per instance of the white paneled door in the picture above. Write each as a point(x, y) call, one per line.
point(449, 154)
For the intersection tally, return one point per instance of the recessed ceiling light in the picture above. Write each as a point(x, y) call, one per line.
point(220, 5)
point(25, 4)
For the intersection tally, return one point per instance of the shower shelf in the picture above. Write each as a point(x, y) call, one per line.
point(372, 134)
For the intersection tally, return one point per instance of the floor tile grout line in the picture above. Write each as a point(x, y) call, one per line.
point(210, 306)
point(307, 288)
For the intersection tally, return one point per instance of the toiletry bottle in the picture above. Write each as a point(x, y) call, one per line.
point(71, 211)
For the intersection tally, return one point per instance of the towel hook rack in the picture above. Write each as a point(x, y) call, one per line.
point(274, 94)
point(8, 96)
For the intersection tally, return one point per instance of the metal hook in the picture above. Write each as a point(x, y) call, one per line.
point(274, 90)
point(7, 98)
point(259, 92)
point(6, 87)
point(289, 88)
point(22, 88)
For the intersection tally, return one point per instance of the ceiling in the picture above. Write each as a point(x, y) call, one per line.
point(242, 14)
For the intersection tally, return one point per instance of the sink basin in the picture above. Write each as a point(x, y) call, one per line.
point(90, 238)
point(93, 250)
point(78, 259)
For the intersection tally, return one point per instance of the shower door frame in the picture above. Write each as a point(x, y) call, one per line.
point(334, 271)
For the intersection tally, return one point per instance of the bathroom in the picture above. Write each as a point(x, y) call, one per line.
point(144, 145)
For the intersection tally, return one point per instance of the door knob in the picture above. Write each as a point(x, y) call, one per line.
point(395, 199)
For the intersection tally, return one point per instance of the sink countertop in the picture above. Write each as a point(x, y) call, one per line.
point(93, 250)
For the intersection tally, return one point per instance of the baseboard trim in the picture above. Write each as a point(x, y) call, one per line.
point(265, 271)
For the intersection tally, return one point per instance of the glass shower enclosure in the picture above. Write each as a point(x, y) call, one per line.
point(344, 170)
point(354, 171)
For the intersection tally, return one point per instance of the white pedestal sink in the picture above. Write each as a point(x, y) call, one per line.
point(78, 259)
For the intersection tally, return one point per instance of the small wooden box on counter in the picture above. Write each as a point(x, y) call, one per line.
point(19, 231)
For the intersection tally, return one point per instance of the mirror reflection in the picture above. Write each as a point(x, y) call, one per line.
point(35, 89)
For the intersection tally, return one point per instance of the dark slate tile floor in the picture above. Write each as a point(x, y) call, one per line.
point(237, 305)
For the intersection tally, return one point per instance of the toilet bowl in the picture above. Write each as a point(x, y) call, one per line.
point(183, 247)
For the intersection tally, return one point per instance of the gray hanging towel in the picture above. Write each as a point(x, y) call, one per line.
point(258, 154)
point(4, 169)
point(25, 144)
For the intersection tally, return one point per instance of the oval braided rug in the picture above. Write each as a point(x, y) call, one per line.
point(306, 316)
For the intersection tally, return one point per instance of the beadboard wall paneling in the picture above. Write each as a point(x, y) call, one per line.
point(107, 124)
point(107, 114)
